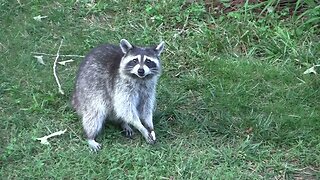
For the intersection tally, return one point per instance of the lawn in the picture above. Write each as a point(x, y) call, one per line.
point(233, 101)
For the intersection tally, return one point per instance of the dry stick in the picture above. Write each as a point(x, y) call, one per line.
point(44, 139)
point(54, 68)
point(183, 28)
point(61, 55)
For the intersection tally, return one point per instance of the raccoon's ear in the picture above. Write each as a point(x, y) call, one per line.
point(125, 46)
point(159, 48)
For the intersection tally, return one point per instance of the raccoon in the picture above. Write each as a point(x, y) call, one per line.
point(118, 83)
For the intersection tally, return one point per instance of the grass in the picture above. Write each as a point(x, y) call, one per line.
point(233, 102)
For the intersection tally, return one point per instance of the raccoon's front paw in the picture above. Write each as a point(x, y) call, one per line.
point(94, 146)
point(151, 138)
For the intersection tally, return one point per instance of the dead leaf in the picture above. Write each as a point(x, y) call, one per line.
point(40, 59)
point(311, 70)
point(249, 130)
point(39, 18)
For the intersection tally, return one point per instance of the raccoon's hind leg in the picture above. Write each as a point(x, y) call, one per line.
point(127, 129)
point(92, 124)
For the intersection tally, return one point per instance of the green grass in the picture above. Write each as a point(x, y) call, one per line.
point(233, 102)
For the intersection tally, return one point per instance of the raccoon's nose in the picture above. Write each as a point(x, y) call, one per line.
point(141, 72)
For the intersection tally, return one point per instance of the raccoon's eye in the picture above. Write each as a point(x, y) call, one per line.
point(148, 61)
point(132, 63)
point(135, 60)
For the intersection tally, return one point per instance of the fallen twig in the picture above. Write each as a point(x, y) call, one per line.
point(44, 139)
point(54, 68)
point(61, 55)
point(183, 28)
point(64, 62)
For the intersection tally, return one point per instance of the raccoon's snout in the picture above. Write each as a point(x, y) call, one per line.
point(141, 72)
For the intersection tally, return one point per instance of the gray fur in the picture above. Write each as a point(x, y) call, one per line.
point(109, 85)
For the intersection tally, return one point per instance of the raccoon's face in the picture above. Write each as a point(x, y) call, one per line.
point(140, 62)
